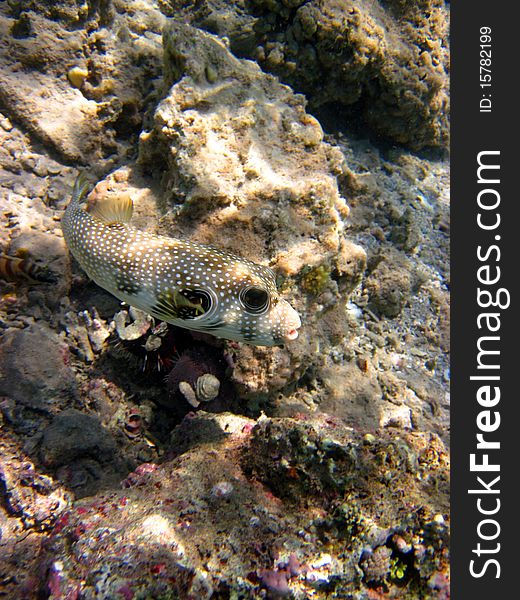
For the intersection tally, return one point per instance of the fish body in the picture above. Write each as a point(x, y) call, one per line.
point(190, 285)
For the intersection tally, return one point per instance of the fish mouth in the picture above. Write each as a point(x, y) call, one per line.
point(292, 334)
point(293, 324)
point(289, 322)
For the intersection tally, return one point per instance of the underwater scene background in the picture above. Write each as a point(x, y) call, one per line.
point(143, 460)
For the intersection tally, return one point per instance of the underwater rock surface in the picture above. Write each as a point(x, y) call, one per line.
point(261, 500)
point(79, 76)
point(389, 61)
point(317, 469)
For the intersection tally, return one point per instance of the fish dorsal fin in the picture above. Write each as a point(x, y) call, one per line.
point(112, 209)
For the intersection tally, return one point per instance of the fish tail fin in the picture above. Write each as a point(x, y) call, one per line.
point(80, 188)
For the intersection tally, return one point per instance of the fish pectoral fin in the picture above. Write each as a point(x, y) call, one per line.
point(115, 209)
point(179, 304)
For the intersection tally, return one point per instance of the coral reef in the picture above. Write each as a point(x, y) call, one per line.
point(142, 460)
point(388, 61)
point(146, 538)
point(315, 280)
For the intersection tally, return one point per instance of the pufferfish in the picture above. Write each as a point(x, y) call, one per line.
point(190, 285)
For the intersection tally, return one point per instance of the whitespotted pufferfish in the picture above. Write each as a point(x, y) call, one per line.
point(187, 284)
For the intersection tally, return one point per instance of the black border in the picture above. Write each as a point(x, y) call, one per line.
point(473, 131)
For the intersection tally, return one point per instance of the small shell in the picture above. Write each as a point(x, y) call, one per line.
point(207, 387)
point(133, 424)
point(222, 489)
point(189, 393)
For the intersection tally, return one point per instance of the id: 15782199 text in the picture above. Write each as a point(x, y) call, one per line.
point(485, 103)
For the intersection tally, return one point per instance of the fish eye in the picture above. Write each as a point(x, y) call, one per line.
point(254, 299)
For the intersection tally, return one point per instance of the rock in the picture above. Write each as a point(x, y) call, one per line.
point(31, 503)
point(47, 53)
point(305, 458)
point(269, 147)
point(31, 496)
point(390, 284)
point(83, 453)
point(35, 369)
point(395, 416)
point(391, 61)
point(207, 428)
point(351, 395)
point(73, 434)
point(28, 225)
